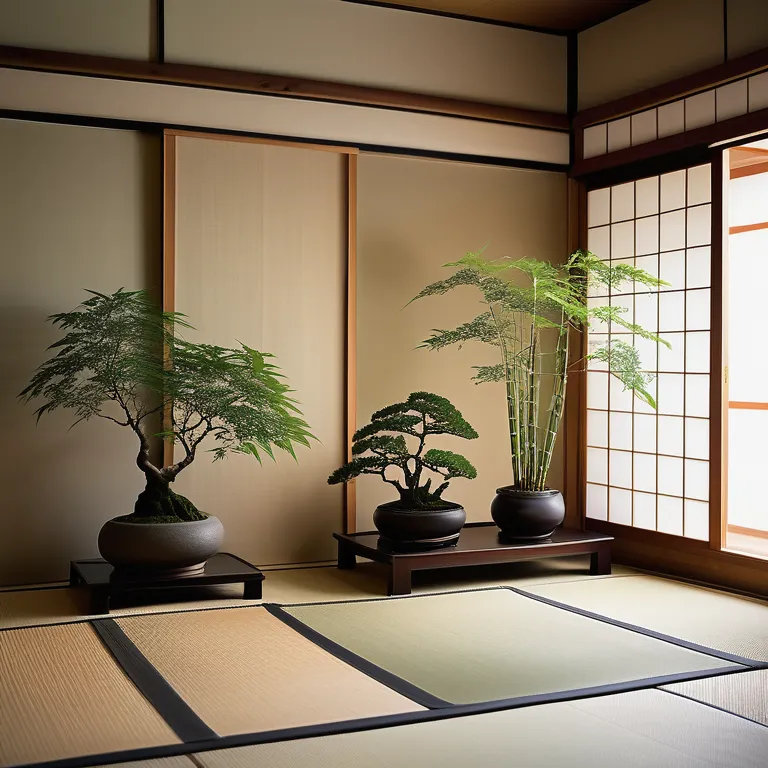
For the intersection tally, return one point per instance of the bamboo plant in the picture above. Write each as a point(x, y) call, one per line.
point(551, 300)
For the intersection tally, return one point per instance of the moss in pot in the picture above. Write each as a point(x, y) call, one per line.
point(420, 518)
point(123, 359)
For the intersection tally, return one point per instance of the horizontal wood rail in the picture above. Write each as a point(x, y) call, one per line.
point(749, 170)
point(686, 558)
point(744, 406)
point(743, 531)
point(276, 85)
point(748, 227)
point(675, 89)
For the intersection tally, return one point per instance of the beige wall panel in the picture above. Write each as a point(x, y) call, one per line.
point(297, 118)
point(104, 27)
point(651, 44)
point(414, 216)
point(365, 45)
point(261, 258)
point(747, 26)
point(78, 209)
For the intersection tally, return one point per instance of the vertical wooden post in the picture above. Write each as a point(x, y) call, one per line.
point(718, 403)
point(574, 424)
point(350, 491)
point(169, 255)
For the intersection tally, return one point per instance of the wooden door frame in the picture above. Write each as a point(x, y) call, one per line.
point(170, 137)
point(701, 561)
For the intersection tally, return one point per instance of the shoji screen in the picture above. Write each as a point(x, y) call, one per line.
point(644, 468)
point(260, 257)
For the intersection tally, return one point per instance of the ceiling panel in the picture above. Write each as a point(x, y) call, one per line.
point(565, 15)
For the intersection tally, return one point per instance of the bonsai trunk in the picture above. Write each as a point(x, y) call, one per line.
point(157, 502)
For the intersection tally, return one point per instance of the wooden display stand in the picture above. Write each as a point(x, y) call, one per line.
point(104, 584)
point(479, 544)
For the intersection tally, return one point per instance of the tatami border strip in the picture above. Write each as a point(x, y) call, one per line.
point(724, 655)
point(197, 742)
point(156, 689)
point(368, 668)
point(368, 724)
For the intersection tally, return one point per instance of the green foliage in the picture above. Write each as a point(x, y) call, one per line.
point(124, 360)
point(525, 299)
point(375, 450)
point(624, 362)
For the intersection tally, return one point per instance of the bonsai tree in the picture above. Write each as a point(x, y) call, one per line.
point(122, 359)
point(381, 445)
point(552, 299)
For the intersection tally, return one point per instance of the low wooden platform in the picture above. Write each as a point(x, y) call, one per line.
point(103, 583)
point(479, 544)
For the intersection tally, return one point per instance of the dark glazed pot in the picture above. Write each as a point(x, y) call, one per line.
point(527, 515)
point(160, 549)
point(419, 528)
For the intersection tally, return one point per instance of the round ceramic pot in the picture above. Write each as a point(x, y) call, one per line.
point(527, 515)
point(419, 528)
point(162, 549)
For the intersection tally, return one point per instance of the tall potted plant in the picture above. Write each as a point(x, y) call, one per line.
point(420, 517)
point(123, 359)
point(552, 299)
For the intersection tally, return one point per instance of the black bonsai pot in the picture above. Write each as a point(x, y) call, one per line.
point(155, 550)
point(419, 528)
point(527, 515)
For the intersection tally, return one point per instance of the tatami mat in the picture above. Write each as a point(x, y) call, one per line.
point(644, 729)
point(469, 647)
point(705, 616)
point(61, 695)
point(243, 670)
point(27, 607)
point(181, 761)
point(744, 694)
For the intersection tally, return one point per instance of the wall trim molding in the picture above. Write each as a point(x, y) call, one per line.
point(198, 76)
point(735, 69)
point(107, 102)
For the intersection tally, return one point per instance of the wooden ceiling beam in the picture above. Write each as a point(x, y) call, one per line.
point(276, 85)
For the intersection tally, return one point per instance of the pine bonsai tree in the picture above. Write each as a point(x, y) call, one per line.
point(375, 449)
point(122, 359)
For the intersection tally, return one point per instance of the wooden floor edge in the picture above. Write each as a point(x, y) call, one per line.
point(689, 568)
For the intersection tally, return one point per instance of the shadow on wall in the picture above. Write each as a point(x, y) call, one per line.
point(58, 485)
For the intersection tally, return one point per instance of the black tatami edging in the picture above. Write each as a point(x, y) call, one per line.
point(156, 689)
point(371, 723)
point(687, 644)
point(398, 684)
point(199, 738)
point(714, 652)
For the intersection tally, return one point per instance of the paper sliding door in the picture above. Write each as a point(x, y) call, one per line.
point(260, 256)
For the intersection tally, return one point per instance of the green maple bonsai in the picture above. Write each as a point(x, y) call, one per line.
point(376, 449)
point(122, 359)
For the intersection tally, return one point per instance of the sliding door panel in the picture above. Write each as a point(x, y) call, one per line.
point(649, 468)
point(261, 258)
point(746, 396)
